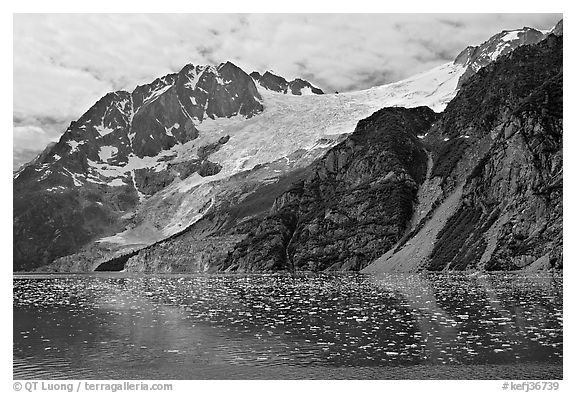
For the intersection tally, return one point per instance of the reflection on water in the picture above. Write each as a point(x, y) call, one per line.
point(115, 326)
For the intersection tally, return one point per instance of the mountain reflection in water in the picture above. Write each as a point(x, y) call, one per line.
point(393, 326)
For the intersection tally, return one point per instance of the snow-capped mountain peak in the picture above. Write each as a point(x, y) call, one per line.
point(476, 57)
point(143, 165)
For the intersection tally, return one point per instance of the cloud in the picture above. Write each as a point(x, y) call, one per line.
point(22, 156)
point(63, 63)
point(28, 141)
point(32, 137)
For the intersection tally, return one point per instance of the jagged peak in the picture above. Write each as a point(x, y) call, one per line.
point(271, 81)
point(117, 98)
point(228, 64)
point(476, 57)
point(166, 79)
point(190, 69)
point(471, 53)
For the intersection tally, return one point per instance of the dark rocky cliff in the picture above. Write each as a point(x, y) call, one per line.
point(85, 185)
point(276, 83)
point(476, 187)
point(491, 198)
point(498, 169)
point(354, 206)
point(476, 57)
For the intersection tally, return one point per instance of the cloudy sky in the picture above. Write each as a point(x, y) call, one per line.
point(64, 63)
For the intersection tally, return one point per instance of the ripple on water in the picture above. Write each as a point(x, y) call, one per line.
point(211, 326)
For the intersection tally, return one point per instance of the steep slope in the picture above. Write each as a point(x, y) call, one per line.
point(250, 156)
point(278, 84)
point(197, 156)
point(497, 170)
point(491, 198)
point(355, 205)
point(115, 155)
point(476, 57)
point(558, 30)
point(280, 242)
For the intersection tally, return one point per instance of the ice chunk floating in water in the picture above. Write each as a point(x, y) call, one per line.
point(117, 326)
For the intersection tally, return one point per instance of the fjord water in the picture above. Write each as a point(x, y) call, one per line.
point(352, 326)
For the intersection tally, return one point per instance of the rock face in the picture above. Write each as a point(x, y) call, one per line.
point(137, 168)
point(210, 169)
point(244, 201)
point(83, 186)
point(181, 254)
point(476, 57)
point(498, 162)
point(354, 206)
point(496, 159)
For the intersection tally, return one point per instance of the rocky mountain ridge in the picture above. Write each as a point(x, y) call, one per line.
point(115, 154)
point(276, 83)
point(207, 157)
point(477, 57)
point(495, 183)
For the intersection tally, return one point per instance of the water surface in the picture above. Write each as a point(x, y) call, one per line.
point(394, 326)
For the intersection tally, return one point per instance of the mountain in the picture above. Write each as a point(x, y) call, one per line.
point(39, 157)
point(476, 57)
point(476, 187)
point(356, 202)
point(496, 181)
point(115, 155)
point(196, 165)
point(280, 85)
point(257, 158)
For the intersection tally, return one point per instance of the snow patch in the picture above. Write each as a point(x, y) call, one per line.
point(93, 179)
point(141, 197)
point(56, 189)
point(291, 122)
point(116, 183)
point(155, 94)
point(499, 49)
point(121, 105)
point(103, 130)
point(45, 175)
point(175, 126)
point(107, 152)
point(103, 170)
point(190, 182)
point(74, 145)
point(306, 91)
point(511, 35)
point(41, 167)
point(193, 77)
point(76, 177)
